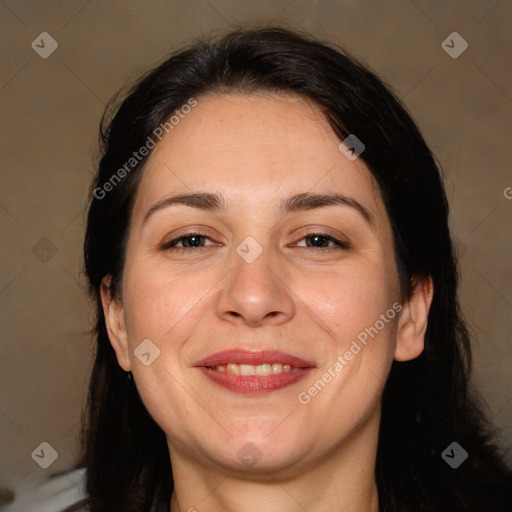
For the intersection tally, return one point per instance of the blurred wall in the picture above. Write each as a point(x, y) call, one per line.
point(50, 107)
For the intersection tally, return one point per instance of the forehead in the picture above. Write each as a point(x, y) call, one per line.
point(254, 148)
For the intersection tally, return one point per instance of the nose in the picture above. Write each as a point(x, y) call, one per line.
point(256, 293)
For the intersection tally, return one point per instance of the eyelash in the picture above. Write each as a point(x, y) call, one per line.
point(170, 246)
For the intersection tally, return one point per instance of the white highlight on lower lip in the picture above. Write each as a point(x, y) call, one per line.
point(260, 369)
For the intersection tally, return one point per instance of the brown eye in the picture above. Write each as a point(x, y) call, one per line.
point(318, 240)
point(188, 241)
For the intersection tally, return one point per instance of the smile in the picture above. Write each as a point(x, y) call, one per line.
point(249, 372)
point(260, 369)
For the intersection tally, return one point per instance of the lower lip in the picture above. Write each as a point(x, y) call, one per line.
point(255, 384)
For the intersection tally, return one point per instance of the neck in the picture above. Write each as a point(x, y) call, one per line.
point(273, 495)
point(343, 479)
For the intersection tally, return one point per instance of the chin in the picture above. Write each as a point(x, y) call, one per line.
point(261, 453)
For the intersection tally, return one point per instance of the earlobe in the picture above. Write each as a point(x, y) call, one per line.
point(413, 321)
point(115, 323)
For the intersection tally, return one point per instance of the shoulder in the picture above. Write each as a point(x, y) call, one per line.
point(52, 494)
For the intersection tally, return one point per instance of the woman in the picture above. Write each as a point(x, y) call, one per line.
point(276, 288)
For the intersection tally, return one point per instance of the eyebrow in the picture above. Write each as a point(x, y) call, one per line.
point(216, 202)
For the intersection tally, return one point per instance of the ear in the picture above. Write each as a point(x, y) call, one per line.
point(115, 322)
point(412, 324)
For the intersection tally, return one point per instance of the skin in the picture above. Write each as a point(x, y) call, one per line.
point(311, 302)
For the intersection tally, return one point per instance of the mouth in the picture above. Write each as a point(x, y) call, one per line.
point(250, 369)
point(254, 373)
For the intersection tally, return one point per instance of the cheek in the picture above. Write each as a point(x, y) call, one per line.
point(157, 300)
point(350, 301)
point(164, 307)
point(357, 308)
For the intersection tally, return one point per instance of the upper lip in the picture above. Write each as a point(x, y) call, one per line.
point(240, 356)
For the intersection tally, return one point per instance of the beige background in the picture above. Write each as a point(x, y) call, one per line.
point(50, 110)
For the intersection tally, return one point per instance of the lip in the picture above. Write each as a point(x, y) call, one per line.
point(240, 356)
point(254, 384)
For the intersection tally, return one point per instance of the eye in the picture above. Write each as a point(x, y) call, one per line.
point(189, 240)
point(193, 241)
point(321, 238)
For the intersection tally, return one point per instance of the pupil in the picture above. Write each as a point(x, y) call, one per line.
point(316, 237)
point(194, 237)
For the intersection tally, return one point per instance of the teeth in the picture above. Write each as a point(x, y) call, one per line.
point(260, 369)
point(233, 368)
point(264, 369)
point(247, 369)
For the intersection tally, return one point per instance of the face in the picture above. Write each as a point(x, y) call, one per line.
point(305, 297)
